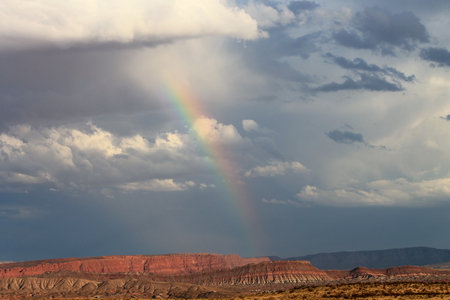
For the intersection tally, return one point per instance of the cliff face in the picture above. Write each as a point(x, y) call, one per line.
point(155, 264)
point(264, 273)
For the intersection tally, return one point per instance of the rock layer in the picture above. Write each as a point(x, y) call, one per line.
point(31, 287)
point(182, 276)
point(264, 273)
point(153, 264)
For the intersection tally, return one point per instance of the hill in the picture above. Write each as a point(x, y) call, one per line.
point(183, 276)
point(417, 256)
point(145, 264)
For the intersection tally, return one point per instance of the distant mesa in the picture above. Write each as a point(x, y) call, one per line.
point(378, 259)
point(146, 264)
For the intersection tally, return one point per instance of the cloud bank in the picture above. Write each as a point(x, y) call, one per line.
point(84, 24)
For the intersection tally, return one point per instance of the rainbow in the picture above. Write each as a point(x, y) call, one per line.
point(189, 110)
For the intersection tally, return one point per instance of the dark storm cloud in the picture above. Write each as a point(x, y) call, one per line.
point(371, 82)
point(379, 30)
point(447, 118)
point(348, 137)
point(262, 55)
point(62, 86)
point(360, 64)
point(345, 137)
point(441, 56)
point(298, 6)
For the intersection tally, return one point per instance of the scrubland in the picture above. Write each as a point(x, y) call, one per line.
point(367, 291)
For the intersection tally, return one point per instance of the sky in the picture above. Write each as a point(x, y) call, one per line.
point(244, 127)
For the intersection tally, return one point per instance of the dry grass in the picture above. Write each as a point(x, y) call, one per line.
point(367, 291)
point(372, 291)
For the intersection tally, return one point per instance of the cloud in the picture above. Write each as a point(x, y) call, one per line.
point(312, 195)
point(251, 125)
point(345, 137)
point(209, 129)
point(269, 16)
point(371, 82)
point(447, 118)
point(348, 137)
point(88, 23)
point(275, 168)
point(441, 56)
point(359, 64)
point(398, 192)
point(302, 46)
point(299, 6)
point(365, 76)
point(203, 186)
point(80, 158)
point(89, 157)
point(379, 30)
point(157, 185)
point(276, 201)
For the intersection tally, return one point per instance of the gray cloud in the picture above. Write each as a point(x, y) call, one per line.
point(371, 82)
point(360, 64)
point(298, 6)
point(302, 46)
point(262, 56)
point(441, 56)
point(348, 137)
point(345, 137)
point(379, 30)
point(53, 87)
point(447, 118)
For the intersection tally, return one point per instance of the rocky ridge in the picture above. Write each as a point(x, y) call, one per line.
point(32, 287)
point(129, 276)
point(418, 256)
point(146, 264)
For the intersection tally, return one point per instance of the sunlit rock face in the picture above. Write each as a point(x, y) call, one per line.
point(154, 264)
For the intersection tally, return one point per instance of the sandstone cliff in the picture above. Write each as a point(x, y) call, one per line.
point(396, 273)
point(153, 264)
point(264, 273)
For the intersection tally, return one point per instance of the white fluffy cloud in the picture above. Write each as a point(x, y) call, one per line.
point(275, 168)
point(268, 16)
point(88, 156)
point(75, 158)
point(211, 131)
point(27, 23)
point(251, 125)
point(157, 185)
point(399, 192)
